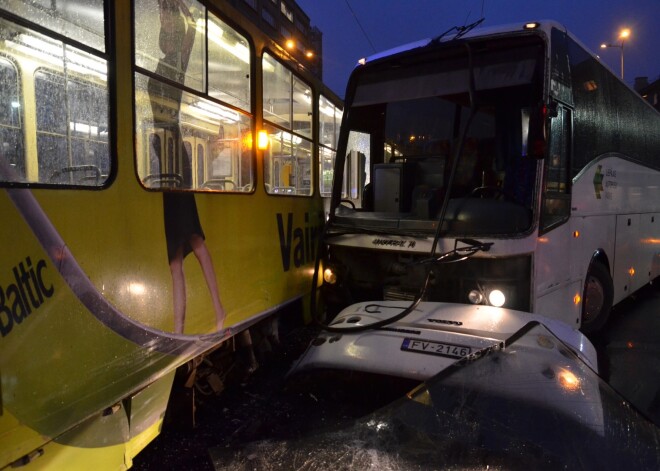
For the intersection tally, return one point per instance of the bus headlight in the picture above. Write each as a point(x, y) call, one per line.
point(490, 296)
point(496, 298)
point(476, 297)
point(500, 282)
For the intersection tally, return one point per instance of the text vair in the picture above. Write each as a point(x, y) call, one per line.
point(297, 243)
point(20, 298)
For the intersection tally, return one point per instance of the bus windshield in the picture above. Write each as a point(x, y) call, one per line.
point(404, 127)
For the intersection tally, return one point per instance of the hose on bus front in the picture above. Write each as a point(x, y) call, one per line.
point(443, 211)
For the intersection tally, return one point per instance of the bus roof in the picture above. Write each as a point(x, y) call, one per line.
point(476, 31)
point(543, 25)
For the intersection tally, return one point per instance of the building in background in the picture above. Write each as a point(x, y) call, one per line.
point(650, 91)
point(288, 25)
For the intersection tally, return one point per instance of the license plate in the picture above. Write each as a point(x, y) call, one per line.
point(435, 348)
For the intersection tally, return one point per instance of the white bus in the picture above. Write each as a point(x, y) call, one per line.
point(542, 165)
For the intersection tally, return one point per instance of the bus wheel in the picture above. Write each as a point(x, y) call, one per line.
point(597, 299)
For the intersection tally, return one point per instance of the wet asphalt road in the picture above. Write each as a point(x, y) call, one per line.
point(256, 408)
point(629, 350)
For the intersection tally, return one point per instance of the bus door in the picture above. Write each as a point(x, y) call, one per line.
point(557, 267)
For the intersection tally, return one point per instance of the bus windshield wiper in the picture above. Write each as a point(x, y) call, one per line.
point(461, 253)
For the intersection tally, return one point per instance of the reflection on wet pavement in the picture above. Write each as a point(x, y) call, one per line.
point(629, 351)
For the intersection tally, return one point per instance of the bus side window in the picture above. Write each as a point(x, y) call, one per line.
point(556, 202)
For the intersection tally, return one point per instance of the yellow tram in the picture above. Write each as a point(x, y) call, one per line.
point(162, 172)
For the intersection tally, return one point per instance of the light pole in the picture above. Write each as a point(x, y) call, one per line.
point(623, 35)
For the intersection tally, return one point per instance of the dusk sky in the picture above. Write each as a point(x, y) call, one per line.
point(389, 23)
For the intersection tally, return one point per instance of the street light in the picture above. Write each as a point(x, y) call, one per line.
point(623, 35)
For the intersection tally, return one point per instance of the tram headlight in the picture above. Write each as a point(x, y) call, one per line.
point(329, 276)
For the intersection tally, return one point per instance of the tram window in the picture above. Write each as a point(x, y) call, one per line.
point(187, 165)
point(81, 20)
point(228, 64)
point(214, 138)
point(88, 125)
point(200, 163)
point(288, 164)
point(11, 134)
point(72, 131)
point(329, 121)
point(175, 166)
point(277, 92)
point(223, 151)
point(68, 95)
point(288, 106)
point(51, 125)
point(302, 108)
point(162, 50)
point(326, 163)
point(155, 147)
point(173, 41)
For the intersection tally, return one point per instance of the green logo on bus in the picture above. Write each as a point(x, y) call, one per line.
point(598, 181)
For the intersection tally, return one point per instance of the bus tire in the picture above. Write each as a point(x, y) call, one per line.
point(597, 298)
